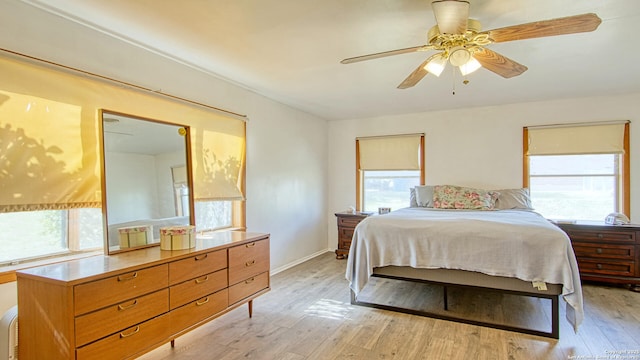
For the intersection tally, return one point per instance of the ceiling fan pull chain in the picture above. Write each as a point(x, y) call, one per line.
point(453, 80)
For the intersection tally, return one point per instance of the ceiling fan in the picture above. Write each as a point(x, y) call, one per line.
point(460, 41)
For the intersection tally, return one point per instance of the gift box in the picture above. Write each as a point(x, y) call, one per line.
point(177, 237)
point(135, 236)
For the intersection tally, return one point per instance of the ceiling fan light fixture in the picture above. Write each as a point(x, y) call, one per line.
point(451, 15)
point(459, 56)
point(469, 67)
point(436, 65)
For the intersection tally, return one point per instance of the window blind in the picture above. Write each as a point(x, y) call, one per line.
point(218, 163)
point(397, 152)
point(600, 138)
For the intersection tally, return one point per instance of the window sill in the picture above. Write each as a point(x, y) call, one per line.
point(8, 273)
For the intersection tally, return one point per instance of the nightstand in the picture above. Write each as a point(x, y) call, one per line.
point(347, 222)
point(606, 253)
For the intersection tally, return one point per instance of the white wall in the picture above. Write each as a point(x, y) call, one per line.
point(286, 148)
point(145, 180)
point(479, 147)
point(126, 187)
point(8, 296)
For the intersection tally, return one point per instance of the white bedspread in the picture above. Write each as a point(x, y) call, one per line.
point(510, 243)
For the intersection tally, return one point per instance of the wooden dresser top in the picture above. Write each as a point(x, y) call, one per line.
point(94, 267)
point(598, 225)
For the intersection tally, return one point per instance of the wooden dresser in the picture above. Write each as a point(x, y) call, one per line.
point(606, 253)
point(347, 222)
point(121, 306)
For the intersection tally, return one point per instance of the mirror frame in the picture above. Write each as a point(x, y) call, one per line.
point(103, 171)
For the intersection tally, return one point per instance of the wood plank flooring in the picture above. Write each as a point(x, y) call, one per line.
point(308, 315)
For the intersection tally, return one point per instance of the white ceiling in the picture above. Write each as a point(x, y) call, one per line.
point(289, 50)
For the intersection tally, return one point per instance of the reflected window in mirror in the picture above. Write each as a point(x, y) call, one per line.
point(180, 190)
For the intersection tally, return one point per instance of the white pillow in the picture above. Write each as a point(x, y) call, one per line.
point(514, 199)
point(412, 198)
point(424, 196)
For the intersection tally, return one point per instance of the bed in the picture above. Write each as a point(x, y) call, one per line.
point(513, 250)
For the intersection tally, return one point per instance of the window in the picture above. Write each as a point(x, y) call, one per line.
point(388, 166)
point(50, 168)
point(180, 190)
point(578, 172)
point(36, 234)
point(388, 188)
point(213, 215)
point(219, 170)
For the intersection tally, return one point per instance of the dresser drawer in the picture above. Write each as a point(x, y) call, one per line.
point(349, 221)
point(198, 310)
point(602, 236)
point(248, 260)
point(605, 251)
point(344, 243)
point(248, 287)
point(195, 266)
point(116, 289)
point(197, 288)
point(619, 268)
point(129, 342)
point(113, 318)
point(346, 233)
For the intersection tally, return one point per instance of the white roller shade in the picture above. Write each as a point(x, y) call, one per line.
point(580, 139)
point(218, 163)
point(179, 174)
point(400, 152)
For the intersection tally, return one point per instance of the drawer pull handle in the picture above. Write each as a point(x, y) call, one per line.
point(598, 251)
point(249, 263)
point(135, 331)
point(125, 307)
point(201, 280)
point(599, 266)
point(199, 303)
point(250, 245)
point(249, 281)
point(600, 236)
point(201, 257)
point(128, 277)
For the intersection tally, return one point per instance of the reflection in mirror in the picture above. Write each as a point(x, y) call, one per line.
point(146, 185)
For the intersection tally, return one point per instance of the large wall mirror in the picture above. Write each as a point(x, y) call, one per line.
point(146, 182)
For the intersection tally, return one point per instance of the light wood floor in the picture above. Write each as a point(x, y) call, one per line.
point(308, 315)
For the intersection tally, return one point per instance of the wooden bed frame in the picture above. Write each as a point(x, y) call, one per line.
point(470, 280)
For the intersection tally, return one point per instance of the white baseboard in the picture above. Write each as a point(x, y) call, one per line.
point(299, 261)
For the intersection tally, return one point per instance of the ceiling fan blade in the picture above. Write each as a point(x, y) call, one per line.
point(498, 64)
point(561, 26)
point(451, 15)
point(416, 75)
point(386, 53)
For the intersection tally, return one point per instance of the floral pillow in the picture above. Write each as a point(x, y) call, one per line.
point(458, 197)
